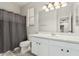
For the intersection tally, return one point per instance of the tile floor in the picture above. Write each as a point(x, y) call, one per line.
point(16, 53)
point(10, 53)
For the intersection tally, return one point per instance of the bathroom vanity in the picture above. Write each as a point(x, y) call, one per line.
point(54, 45)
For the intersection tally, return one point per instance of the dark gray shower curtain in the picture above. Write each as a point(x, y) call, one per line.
point(12, 30)
point(6, 31)
point(1, 32)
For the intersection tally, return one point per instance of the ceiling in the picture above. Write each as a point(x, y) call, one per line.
point(21, 3)
point(26, 3)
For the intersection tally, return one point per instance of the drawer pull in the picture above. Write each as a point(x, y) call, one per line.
point(61, 49)
point(67, 50)
point(39, 43)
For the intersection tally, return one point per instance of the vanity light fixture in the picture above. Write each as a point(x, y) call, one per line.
point(54, 5)
point(63, 4)
point(46, 9)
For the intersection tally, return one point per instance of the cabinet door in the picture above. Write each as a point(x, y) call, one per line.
point(56, 50)
point(35, 48)
point(43, 49)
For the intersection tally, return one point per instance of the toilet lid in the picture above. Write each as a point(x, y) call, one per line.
point(24, 43)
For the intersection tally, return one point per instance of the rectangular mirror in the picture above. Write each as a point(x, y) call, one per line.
point(58, 20)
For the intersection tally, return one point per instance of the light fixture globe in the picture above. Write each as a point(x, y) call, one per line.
point(44, 7)
point(57, 7)
point(52, 8)
point(56, 4)
point(63, 4)
point(50, 5)
point(47, 10)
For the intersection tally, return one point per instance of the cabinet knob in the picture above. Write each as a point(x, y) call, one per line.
point(67, 50)
point(61, 49)
point(39, 43)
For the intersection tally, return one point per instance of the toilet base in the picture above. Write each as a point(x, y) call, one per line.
point(24, 50)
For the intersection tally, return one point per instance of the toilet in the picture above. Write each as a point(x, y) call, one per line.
point(25, 46)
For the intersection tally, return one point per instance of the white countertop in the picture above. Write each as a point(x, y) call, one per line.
point(68, 38)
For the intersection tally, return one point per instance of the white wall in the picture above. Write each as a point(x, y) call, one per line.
point(10, 6)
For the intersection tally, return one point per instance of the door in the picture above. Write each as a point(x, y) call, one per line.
point(55, 50)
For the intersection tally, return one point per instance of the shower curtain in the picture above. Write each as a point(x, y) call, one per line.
point(12, 30)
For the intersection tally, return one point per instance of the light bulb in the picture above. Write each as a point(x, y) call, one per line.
point(56, 4)
point(57, 7)
point(50, 5)
point(52, 8)
point(63, 4)
point(44, 7)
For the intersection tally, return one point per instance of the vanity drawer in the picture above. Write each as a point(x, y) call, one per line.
point(56, 42)
point(63, 43)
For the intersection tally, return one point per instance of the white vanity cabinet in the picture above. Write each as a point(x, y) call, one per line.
point(39, 46)
point(62, 51)
point(59, 48)
point(51, 47)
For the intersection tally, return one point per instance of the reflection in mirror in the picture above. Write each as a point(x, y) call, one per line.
point(47, 21)
point(63, 20)
point(64, 24)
